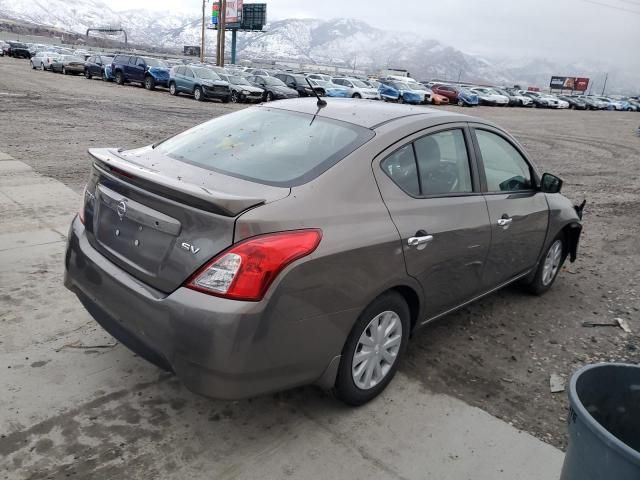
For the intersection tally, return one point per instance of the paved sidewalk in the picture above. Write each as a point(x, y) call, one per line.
point(98, 411)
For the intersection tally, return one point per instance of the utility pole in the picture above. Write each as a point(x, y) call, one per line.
point(222, 25)
point(202, 37)
point(459, 75)
point(606, 76)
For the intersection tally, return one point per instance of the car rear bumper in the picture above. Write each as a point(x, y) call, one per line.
point(217, 347)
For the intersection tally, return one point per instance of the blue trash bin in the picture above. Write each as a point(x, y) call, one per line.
point(604, 423)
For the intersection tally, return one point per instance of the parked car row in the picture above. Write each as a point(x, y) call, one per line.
point(204, 81)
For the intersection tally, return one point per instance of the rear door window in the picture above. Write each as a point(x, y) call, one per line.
point(443, 163)
point(269, 146)
point(402, 169)
point(188, 73)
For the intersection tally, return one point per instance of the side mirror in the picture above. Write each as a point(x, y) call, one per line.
point(550, 183)
point(291, 85)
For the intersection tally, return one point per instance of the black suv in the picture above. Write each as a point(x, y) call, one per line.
point(148, 71)
point(94, 66)
point(18, 50)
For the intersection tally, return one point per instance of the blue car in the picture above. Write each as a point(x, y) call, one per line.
point(107, 76)
point(330, 89)
point(201, 82)
point(467, 98)
point(148, 71)
point(401, 92)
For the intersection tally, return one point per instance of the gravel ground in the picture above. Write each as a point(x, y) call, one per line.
point(496, 354)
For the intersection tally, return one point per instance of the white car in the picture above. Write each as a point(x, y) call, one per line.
point(555, 102)
point(489, 97)
point(43, 60)
point(320, 76)
point(357, 88)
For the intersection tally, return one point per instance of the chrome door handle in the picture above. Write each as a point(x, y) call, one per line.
point(418, 241)
point(503, 222)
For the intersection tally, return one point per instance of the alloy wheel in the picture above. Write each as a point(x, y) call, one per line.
point(552, 262)
point(377, 350)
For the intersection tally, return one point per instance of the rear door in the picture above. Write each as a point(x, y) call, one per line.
point(139, 69)
point(430, 185)
point(518, 212)
point(189, 80)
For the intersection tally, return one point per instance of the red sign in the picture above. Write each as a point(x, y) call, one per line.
point(582, 84)
point(534, 89)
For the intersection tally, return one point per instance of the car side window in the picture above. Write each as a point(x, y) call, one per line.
point(89, 60)
point(140, 62)
point(401, 168)
point(188, 73)
point(180, 70)
point(338, 81)
point(443, 163)
point(505, 168)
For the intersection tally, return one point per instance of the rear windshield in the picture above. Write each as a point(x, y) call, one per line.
point(268, 146)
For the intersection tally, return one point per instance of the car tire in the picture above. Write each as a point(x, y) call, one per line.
point(87, 75)
point(234, 97)
point(356, 95)
point(226, 99)
point(549, 267)
point(32, 65)
point(119, 78)
point(173, 90)
point(400, 99)
point(63, 71)
point(197, 94)
point(269, 97)
point(149, 82)
point(460, 103)
point(388, 307)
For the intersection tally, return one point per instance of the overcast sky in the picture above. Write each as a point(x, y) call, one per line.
point(557, 29)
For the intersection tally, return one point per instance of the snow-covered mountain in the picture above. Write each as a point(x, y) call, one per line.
point(345, 42)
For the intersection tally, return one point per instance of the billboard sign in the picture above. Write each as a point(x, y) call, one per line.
point(569, 83)
point(254, 16)
point(215, 13)
point(234, 11)
point(191, 51)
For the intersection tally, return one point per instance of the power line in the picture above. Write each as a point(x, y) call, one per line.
point(637, 12)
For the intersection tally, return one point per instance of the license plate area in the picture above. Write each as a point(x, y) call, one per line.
point(134, 233)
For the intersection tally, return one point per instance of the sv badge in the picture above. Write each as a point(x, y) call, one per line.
point(189, 248)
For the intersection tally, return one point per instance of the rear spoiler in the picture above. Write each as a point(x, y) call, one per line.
point(109, 161)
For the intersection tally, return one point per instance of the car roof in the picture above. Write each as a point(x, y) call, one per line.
point(365, 113)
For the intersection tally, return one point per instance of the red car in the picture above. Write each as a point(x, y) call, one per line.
point(446, 91)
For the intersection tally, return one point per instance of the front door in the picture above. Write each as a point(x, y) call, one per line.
point(432, 191)
point(518, 211)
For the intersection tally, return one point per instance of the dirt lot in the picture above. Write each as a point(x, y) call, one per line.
point(496, 354)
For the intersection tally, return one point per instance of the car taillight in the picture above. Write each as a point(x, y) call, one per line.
point(245, 271)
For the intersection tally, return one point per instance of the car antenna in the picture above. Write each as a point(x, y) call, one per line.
point(321, 103)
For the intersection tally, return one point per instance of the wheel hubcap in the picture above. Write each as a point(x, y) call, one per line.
point(377, 350)
point(552, 262)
